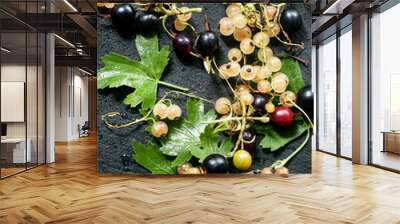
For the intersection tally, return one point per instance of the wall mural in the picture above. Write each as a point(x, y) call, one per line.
point(204, 88)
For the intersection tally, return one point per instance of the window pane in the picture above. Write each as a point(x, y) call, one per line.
point(14, 153)
point(327, 96)
point(346, 94)
point(385, 89)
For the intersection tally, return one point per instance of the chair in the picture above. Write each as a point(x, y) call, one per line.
point(84, 130)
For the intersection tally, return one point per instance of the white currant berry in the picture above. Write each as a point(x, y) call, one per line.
point(274, 63)
point(263, 73)
point(160, 110)
point(272, 29)
point(239, 20)
point(237, 108)
point(264, 86)
point(234, 55)
point(270, 12)
point(261, 39)
point(287, 99)
point(282, 75)
point(179, 25)
point(174, 112)
point(226, 26)
point(247, 46)
point(246, 98)
point(278, 84)
point(247, 73)
point(159, 129)
point(241, 34)
point(223, 72)
point(233, 69)
point(233, 9)
point(223, 105)
point(264, 54)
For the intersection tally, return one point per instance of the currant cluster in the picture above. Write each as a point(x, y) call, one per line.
point(261, 91)
point(162, 111)
point(273, 20)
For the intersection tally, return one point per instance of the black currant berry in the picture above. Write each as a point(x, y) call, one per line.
point(207, 43)
point(305, 100)
point(183, 43)
point(259, 102)
point(123, 17)
point(147, 22)
point(216, 163)
point(291, 20)
point(248, 136)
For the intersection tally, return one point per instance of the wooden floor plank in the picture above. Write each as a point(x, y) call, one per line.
point(71, 191)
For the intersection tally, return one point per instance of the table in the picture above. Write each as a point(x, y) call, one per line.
point(19, 155)
point(391, 141)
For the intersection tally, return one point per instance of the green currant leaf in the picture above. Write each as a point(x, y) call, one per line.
point(275, 138)
point(185, 134)
point(292, 69)
point(142, 75)
point(182, 158)
point(209, 142)
point(151, 158)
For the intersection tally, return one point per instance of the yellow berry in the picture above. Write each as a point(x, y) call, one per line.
point(246, 98)
point(270, 107)
point(242, 159)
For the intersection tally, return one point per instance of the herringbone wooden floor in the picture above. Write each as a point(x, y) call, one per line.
point(70, 191)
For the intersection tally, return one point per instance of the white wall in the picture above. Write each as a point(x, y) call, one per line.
point(71, 102)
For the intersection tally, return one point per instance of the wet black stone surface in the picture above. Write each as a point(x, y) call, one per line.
point(188, 72)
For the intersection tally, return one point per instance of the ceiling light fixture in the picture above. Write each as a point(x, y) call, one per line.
point(70, 5)
point(64, 40)
point(5, 50)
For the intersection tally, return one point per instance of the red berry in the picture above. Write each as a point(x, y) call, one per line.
point(282, 116)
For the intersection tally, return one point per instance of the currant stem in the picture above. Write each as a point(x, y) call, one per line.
point(236, 119)
point(242, 127)
point(301, 46)
point(195, 55)
point(164, 19)
point(294, 153)
point(173, 86)
point(191, 95)
point(117, 126)
point(227, 81)
point(303, 112)
point(178, 11)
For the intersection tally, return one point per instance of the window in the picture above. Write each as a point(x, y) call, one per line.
point(327, 96)
point(385, 89)
point(346, 93)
